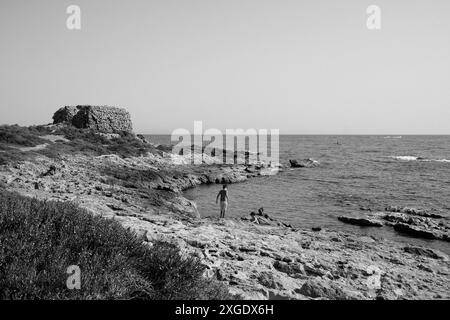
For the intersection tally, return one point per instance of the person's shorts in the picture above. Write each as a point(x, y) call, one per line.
point(223, 205)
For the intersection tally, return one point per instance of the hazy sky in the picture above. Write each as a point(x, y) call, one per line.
point(299, 66)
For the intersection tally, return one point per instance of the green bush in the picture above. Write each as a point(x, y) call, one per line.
point(39, 240)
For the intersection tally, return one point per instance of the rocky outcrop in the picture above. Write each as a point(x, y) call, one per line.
point(411, 222)
point(319, 288)
point(414, 211)
point(269, 262)
point(258, 258)
point(415, 231)
point(363, 222)
point(133, 182)
point(426, 252)
point(256, 261)
point(100, 118)
point(261, 218)
point(305, 163)
point(418, 223)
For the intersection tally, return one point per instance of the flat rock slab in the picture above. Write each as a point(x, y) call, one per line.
point(363, 222)
point(426, 252)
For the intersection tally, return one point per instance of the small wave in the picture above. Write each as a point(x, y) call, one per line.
point(393, 137)
point(442, 160)
point(414, 158)
point(405, 158)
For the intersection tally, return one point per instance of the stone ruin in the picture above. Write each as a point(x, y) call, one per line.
point(100, 118)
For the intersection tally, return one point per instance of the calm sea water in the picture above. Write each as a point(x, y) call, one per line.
point(359, 171)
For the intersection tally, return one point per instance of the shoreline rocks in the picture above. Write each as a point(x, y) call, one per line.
point(265, 261)
point(414, 211)
point(426, 252)
point(261, 218)
point(305, 163)
point(256, 261)
point(363, 222)
point(412, 222)
point(259, 257)
point(415, 231)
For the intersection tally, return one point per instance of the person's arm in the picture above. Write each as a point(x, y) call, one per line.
point(217, 198)
point(226, 196)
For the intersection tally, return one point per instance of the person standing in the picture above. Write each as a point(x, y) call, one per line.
point(223, 194)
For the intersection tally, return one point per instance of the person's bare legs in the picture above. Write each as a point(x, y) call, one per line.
point(223, 195)
point(223, 208)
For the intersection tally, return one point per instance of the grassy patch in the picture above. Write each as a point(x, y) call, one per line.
point(39, 240)
point(11, 155)
point(21, 136)
point(81, 141)
point(89, 142)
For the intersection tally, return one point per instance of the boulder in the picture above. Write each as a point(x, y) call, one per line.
point(100, 118)
point(306, 163)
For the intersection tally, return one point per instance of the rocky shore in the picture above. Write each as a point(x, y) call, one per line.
point(409, 221)
point(259, 261)
point(264, 260)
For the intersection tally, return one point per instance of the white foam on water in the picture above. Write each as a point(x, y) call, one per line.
point(413, 158)
point(405, 158)
point(442, 160)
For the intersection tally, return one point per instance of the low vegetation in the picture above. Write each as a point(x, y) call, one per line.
point(39, 240)
point(80, 141)
point(21, 136)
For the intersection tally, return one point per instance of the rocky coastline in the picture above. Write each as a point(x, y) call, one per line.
point(409, 221)
point(267, 260)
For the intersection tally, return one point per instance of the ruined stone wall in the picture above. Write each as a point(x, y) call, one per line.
point(101, 118)
point(65, 114)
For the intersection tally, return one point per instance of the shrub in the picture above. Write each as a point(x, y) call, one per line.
point(9, 155)
point(81, 141)
point(19, 136)
point(23, 136)
point(86, 135)
point(39, 240)
point(88, 141)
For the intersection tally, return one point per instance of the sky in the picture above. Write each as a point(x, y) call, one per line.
point(303, 67)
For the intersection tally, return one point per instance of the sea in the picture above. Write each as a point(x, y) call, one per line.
point(355, 173)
